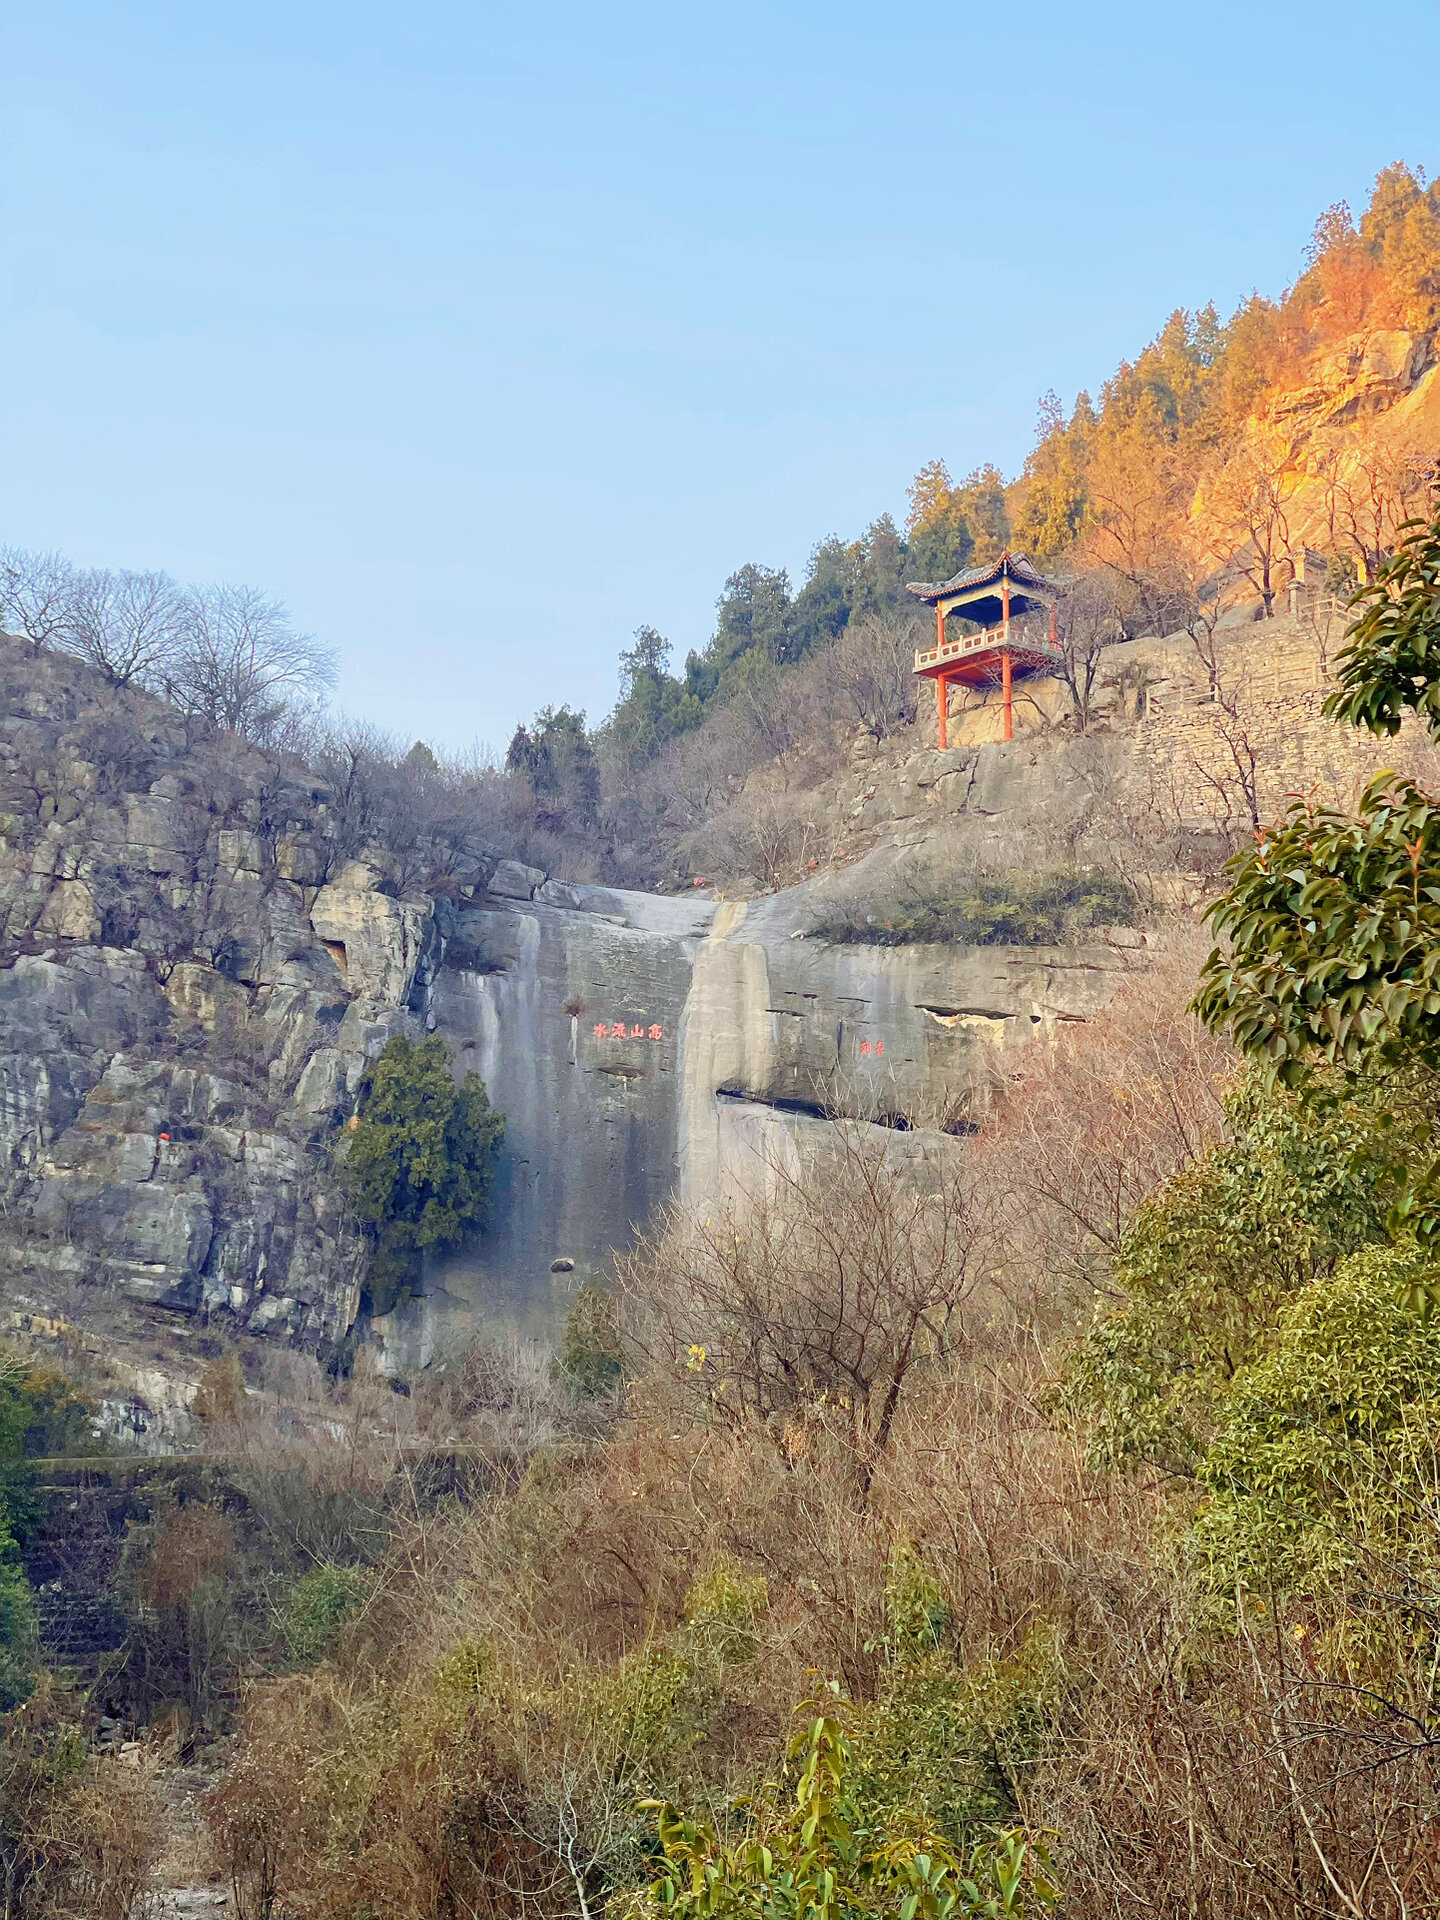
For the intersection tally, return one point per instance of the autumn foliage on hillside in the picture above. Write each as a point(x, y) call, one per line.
point(1200, 446)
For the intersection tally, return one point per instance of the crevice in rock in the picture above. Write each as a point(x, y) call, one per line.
point(462, 956)
point(781, 1103)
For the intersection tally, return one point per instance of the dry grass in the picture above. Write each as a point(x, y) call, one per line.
point(853, 1363)
point(81, 1832)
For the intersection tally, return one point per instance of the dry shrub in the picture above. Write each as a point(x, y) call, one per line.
point(1016, 1528)
point(1221, 1778)
point(768, 834)
point(81, 1832)
point(872, 668)
point(104, 1848)
point(815, 1300)
point(193, 1546)
point(190, 1624)
point(484, 1782)
point(1102, 1116)
point(321, 1461)
point(348, 1798)
point(500, 1397)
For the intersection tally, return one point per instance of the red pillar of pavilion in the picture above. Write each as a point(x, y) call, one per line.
point(987, 596)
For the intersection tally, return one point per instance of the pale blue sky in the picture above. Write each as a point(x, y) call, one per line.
point(484, 334)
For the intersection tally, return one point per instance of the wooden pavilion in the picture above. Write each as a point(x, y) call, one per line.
point(1009, 589)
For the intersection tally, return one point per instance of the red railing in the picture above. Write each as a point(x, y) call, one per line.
point(1016, 636)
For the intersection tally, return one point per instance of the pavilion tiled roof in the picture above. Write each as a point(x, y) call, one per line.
point(1017, 566)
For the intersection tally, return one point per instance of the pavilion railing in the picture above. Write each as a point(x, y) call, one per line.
point(968, 643)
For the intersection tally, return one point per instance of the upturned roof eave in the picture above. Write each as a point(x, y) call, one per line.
point(1016, 567)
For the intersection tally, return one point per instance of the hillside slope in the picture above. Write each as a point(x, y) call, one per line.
point(201, 962)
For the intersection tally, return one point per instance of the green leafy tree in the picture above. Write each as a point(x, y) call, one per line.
point(1332, 919)
point(824, 605)
point(1054, 495)
point(940, 548)
point(590, 1355)
point(1212, 1262)
point(848, 579)
point(806, 1854)
point(313, 1611)
point(1321, 1476)
point(981, 500)
point(555, 756)
point(421, 1161)
point(1333, 922)
point(1391, 661)
point(753, 615)
point(881, 570)
point(654, 706)
point(939, 537)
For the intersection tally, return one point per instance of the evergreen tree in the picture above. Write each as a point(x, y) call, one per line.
point(754, 615)
point(825, 603)
point(980, 498)
point(421, 1161)
point(555, 755)
point(1053, 508)
point(654, 705)
point(941, 546)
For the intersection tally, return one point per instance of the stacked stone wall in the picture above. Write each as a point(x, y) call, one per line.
point(1265, 709)
point(1194, 742)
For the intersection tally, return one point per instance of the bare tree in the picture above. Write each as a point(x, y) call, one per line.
point(126, 624)
point(1227, 680)
point(1090, 617)
point(242, 664)
point(756, 691)
point(820, 1298)
point(1250, 503)
point(871, 665)
point(1372, 491)
point(36, 592)
point(1088, 1126)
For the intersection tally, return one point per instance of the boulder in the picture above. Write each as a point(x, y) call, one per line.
point(512, 881)
point(377, 942)
point(69, 913)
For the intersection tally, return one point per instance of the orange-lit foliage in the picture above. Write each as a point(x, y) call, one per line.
point(1117, 483)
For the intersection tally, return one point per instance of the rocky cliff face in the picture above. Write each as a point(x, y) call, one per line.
point(199, 966)
point(191, 973)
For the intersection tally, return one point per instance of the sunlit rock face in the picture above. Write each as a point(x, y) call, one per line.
point(902, 1037)
point(197, 971)
point(572, 1009)
point(645, 1050)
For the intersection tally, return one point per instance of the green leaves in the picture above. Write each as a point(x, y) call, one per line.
point(1392, 661)
point(1211, 1261)
point(1323, 1467)
point(311, 1614)
point(421, 1160)
point(1333, 924)
point(806, 1856)
point(1334, 921)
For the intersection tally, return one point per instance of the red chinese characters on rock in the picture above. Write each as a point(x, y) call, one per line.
point(623, 1030)
point(866, 1046)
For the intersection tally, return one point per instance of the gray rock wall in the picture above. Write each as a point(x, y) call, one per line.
point(741, 1036)
point(592, 1118)
point(197, 972)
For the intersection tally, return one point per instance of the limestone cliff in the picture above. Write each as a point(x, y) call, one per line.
point(199, 964)
point(201, 957)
